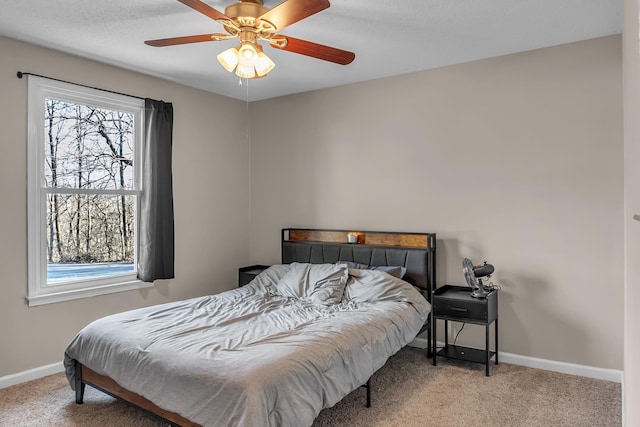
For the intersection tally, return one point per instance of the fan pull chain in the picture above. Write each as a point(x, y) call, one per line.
point(247, 129)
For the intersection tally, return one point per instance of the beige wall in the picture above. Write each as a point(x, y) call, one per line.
point(211, 195)
point(516, 160)
point(631, 61)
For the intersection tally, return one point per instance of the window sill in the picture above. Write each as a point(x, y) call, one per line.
point(51, 298)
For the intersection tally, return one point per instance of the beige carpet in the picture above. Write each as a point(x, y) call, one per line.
point(407, 391)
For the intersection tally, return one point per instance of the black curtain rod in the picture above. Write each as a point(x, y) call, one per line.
point(20, 74)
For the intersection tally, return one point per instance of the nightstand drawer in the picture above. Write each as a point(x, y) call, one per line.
point(456, 303)
point(460, 310)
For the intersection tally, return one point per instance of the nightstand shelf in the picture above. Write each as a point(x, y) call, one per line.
point(455, 304)
point(468, 354)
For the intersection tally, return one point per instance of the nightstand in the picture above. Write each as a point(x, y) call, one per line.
point(247, 274)
point(455, 303)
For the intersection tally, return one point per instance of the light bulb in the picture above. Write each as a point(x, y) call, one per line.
point(247, 55)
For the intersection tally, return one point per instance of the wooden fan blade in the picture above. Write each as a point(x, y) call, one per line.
point(292, 11)
point(313, 50)
point(185, 40)
point(205, 9)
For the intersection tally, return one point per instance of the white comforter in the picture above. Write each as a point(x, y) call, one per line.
point(251, 357)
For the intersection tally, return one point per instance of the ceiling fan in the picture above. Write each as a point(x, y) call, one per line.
point(251, 21)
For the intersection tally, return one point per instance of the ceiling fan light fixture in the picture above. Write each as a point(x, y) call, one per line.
point(247, 60)
point(229, 59)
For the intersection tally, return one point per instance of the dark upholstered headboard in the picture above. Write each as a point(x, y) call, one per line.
point(414, 251)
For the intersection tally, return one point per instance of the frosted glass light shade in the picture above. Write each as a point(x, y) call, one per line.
point(264, 64)
point(245, 72)
point(229, 59)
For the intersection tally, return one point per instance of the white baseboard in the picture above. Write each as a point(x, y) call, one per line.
point(612, 375)
point(31, 374)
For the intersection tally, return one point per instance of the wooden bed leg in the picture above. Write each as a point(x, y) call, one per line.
point(79, 385)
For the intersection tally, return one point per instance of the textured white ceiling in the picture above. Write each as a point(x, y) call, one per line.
point(416, 34)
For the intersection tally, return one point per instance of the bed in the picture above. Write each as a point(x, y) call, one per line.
point(297, 339)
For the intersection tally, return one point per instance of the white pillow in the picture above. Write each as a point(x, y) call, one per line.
point(375, 285)
point(394, 270)
point(316, 283)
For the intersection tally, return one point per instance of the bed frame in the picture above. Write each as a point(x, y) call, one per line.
point(414, 251)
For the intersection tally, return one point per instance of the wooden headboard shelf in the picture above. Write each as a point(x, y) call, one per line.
point(367, 238)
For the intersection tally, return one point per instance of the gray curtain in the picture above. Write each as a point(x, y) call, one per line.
point(155, 231)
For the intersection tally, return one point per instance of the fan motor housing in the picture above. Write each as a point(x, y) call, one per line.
point(244, 16)
point(246, 9)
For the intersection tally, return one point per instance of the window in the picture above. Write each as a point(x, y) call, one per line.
point(84, 191)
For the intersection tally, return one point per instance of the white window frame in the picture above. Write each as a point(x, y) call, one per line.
point(39, 292)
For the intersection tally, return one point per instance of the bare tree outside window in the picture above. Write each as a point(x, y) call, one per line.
point(88, 149)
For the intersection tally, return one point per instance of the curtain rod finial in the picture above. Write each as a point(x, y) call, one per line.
point(19, 74)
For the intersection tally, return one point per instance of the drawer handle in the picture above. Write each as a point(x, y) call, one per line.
point(464, 310)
